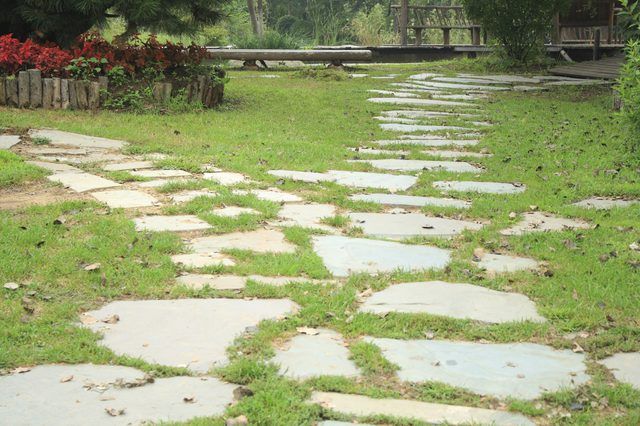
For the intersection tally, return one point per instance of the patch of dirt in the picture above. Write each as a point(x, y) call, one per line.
point(14, 198)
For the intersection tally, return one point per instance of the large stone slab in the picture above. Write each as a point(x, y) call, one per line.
point(235, 282)
point(226, 178)
point(314, 355)
point(91, 157)
point(430, 413)
point(190, 333)
point(420, 113)
point(56, 167)
point(500, 263)
point(310, 177)
point(455, 154)
point(604, 203)
point(424, 76)
point(512, 370)
point(625, 367)
point(505, 78)
point(58, 137)
point(202, 260)
point(162, 174)
point(583, 82)
point(544, 222)
point(466, 80)
point(480, 187)
point(400, 226)
point(410, 201)
point(428, 142)
point(460, 97)
point(462, 301)
point(82, 182)
point(415, 87)
point(7, 141)
point(397, 120)
point(418, 165)
point(178, 223)
point(411, 128)
point(271, 194)
point(396, 94)
point(344, 256)
point(418, 102)
point(233, 211)
point(186, 196)
point(125, 199)
point(306, 216)
point(45, 150)
point(63, 395)
point(158, 183)
point(374, 151)
point(129, 165)
point(437, 85)
point(389, 182)
point(260, 241)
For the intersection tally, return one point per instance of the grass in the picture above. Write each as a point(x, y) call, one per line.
point(565, 145)
point(14, 171)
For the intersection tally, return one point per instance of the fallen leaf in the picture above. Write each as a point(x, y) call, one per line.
point(189, 399)
point(21, 370)
point(513, 215)
point(87, 319)
point(92, 267)
point(478, 254)
point(308, 331)
point(113, 319)
point(114, 412)
point(577, 348)
point(66, 379)
point(12, 286)
point(634, 246)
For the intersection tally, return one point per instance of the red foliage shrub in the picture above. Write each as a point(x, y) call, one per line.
point(16, 56)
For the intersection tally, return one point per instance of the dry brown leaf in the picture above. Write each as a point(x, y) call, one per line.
point(66, 379)
point(21, 370)
point(113, 319)
point(92, 267)
point(114, 412)
point(308, 331)
point(87, 319)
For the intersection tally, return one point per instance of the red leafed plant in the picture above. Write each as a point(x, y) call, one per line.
point(16, 56)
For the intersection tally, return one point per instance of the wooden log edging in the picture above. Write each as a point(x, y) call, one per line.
point(28, 89)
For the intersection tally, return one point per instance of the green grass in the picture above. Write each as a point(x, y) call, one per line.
point(14, 171)
point(564, 145)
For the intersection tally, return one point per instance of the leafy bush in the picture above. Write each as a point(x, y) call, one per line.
point(519, 26)
point(372, 29)
point(18, 56)
point(630, 18)
point(269, 40)
point(629, 83)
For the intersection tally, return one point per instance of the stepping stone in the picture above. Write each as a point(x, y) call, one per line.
point(544, 222)
point(337, 423)
point(428, 142)
point(234, 282)
point(507, 79)
point(396, 94)
point(261, 241)
point(415, 87)
point(470, 97)
point(184, 333)
point(125, 199)
point(314, 355)
point(466, 80)
point(603, 203)
point(400, 226)
point(202, 260)
point(425, 114)
point(306, 216)
point(410, 201)
point(389, 182)
point(424, 76)
point(233, 211)
point(82, 182)
point(418, 165)
point(482, 124)
point(56, 167)
point(481, 187)
point(358, 75)
point(430, 102)
point(343, 256)
point(373, 151)
point(584, 82)
point(418, 128)
point(272, 194)
point(130, 165)
point(499, 263)
point(530, 88)
point(7, 141)
point(397, 120)
point(60, 151)
point(625, 367)
point(436, 85)
point(430, 413)
point(512, 370)
point(93, 157)
point(186, 196)
point(158, 183)
point(462, 301)
point(179, 223)
point(226, 178)
point(160, 173)
point(455, 154)
point(58, 137)
point(309, 177)
point(61, 395)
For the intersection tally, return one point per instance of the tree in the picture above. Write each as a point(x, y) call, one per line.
point(518, 25)
point(61, 21)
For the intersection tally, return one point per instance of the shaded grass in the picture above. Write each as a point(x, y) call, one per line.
point(14, 171)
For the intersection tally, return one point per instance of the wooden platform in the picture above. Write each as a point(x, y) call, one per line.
point(606, 69)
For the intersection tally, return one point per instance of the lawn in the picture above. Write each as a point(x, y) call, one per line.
point(565, 145)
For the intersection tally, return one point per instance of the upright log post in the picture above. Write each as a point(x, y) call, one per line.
point(23, 89)
point(404, 22)
point(12, 91)
point(3, 91)
point(35, 88)
point(596, 44)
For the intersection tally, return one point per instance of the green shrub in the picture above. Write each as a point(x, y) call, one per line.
point(372, 29)
point(629, 83)
point(269, 40)
point(629, 18)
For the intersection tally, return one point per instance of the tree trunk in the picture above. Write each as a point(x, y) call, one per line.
point(260, 17)
point(254, 19)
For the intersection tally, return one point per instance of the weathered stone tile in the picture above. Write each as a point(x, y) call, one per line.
point(397, 120)
point(389, 182)
point(181, 333)
point(58, 137)
point(415, 87)
point(7, 141)
point(400, 226)
point(500, 263)
point(455, 154)
point(154, 174)
point(460, 97)
point(396, 94)
point(81, 182)
point(260, 241)
point(625, 367)
point(512, 370)
point(374, 151)
point(429, 142)
point(226, 178)
point(271, 194)
point(178, 223)
point(544, 222)
point(56, 167)
point(186, 196)
point(403, 101)
point(44, 150)
point(467, 80)
point(462, 301)
point(310, 177)
point(419, 128)
point(363, 406)
point(129, 165)
point(481, 187)
point(584, 82)
point(125, 199)
point(202, 260)
point(343, 256)
point(217, 282)
point(233, 211)
point(420, 113)
point(157, 183)
point(424, 76)
point(306, 216)
point(437, 85)
point(410, 201)
point(507, 79)
point(418, 165)
point(603, 203)
point(91, 157)
point(61, 395)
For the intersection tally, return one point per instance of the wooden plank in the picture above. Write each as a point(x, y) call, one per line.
point(291, 55)
point(57, 97)
point(12, 91)
point(3, 91)
point(23, 89)
point(47, 93)
point(73, 97)
point(94, 95)
point(64, 94)
point(35, 88)
point(82, 88)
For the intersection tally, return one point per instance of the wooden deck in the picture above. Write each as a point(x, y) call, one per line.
point(606, 69)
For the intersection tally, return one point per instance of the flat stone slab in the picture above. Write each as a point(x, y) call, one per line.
point(58, 137)
point(338, 423)
point(480, 187)
point(91, 157)
point(233, 211)
point(158, 183)
point(583, 82)
point(415, 87)
point(410, 201)
point(437, 85)
point(178, 223)
point(424, 76)
point(544, 222)
point(419, 102)
point(43, 150)
point(189, 333)
point(202, 260)
point(455, 154)
point(235, 282)
point(186, 196)
point(460, 97)
point(7, 141)
point(62, 395)
point(513, 370)
point(411, 128)
point(82, 182)
point(226, 178)
point(603, 203)
point(55, 167)
point(125, 199)
point(466, 80)
point(374, 151)
point(163, 174)
point(625, 367)
point(462, 301)
point(428, 142)
point(309, 177)
point(418, 165)
point(343, 256)
point(129, 165)
point(389, 182)
point(400, 226)
point(306, 216)
point(500, 263)
point(396, 94)
point(272, 194)
point(314, 355)
point(397, 120)
point(420, 113)
point(430, 413)
point(260, 241)
point(505, 78)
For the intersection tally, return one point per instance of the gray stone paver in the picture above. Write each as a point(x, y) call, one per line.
point(466, 80)
point(226, 178)
point(418, 165)
point(58, 137)
point(462, 301)
point(397, 94)
point(129, 165)
point(233, 211)
point(411, 128)
point(309, 177)
point(625, 367)
point(260, 241)
point(82, 182)
point(437, 85)
point(480, 187)
point(410, 201)
point(544, 222)
point(419, 113)
point(62, 395)
point(306, 216)
point(181, 333)
point(125, 199)
point(418, 102)
point(186, 196)
point(454, 154)
point(374, 151)
point(56, 167)
point(400, 226)
point(500, 263)
point(202, 260)
point(7, 141)
point(91, 157)
point(271, 194)
point(154, 174)
point(512, 370)
point(389, 182)
point(428, 142)
point(178, 223)
point(604, 203)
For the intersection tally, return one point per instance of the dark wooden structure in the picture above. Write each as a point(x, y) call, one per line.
point(588, 21)
point(250, 56)
point(605, 69)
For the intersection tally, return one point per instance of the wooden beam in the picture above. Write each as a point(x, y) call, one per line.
point(328, 55)
point(404, 22)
